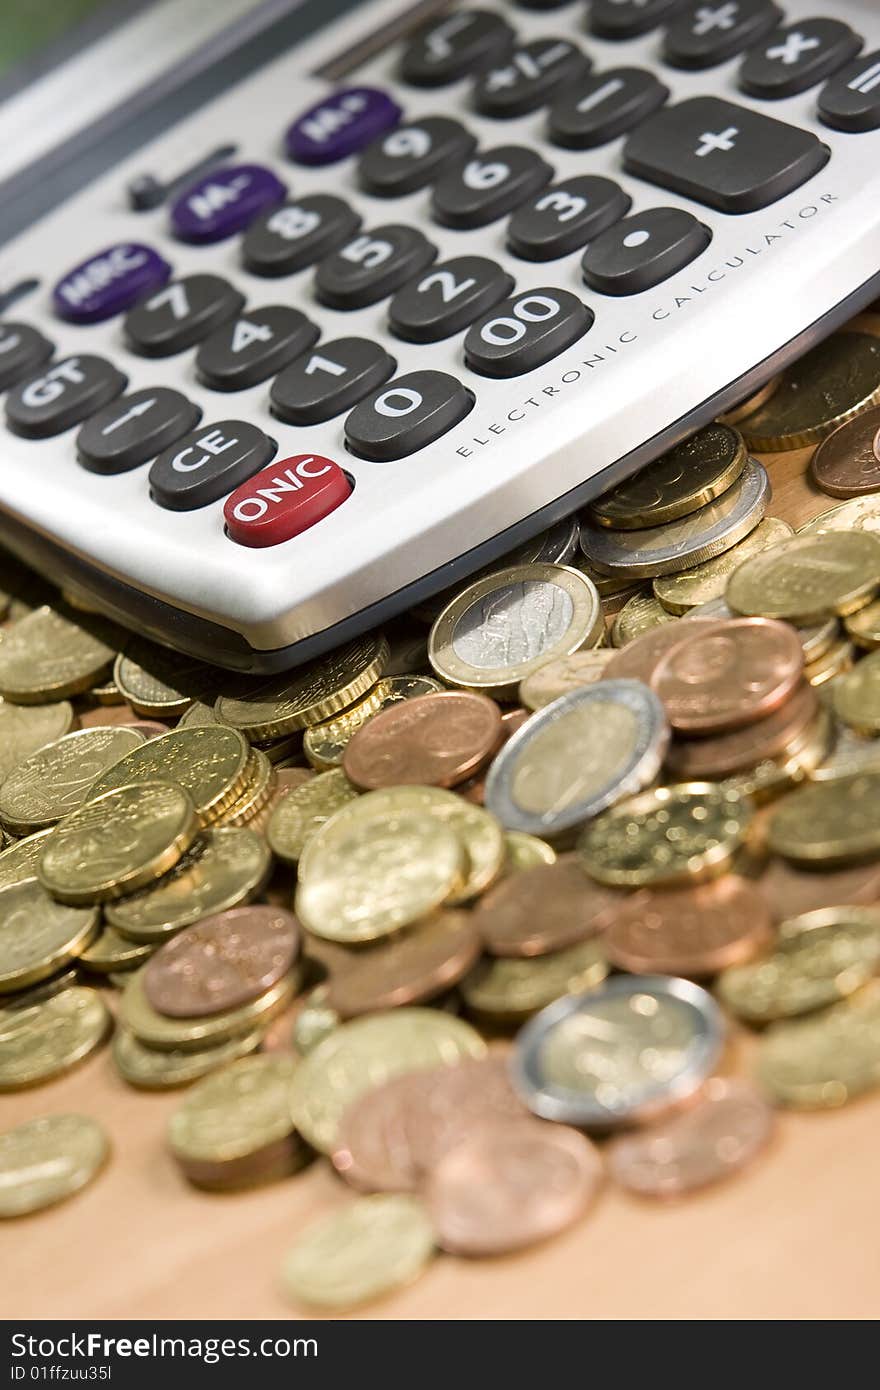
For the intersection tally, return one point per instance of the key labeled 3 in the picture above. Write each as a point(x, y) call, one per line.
point(285, 499)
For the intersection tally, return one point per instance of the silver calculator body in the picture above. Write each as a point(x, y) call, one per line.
point(531, 449)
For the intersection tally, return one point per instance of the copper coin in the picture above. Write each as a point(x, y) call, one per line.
point(722, 755)
point(717, 1136)
point(429, 958)
point(693, 931)
point(847, 463)
point(474, 789)
point(391, 1136)
point(510, 1184)
point(728, 678)
point(150, 728)
point(512, 720)
point(790, 891)
point(222, 961)
point(435, 740)
point(543, 909)
point(639, 659)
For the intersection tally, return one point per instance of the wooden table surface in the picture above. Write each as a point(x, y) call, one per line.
point(794, 1236)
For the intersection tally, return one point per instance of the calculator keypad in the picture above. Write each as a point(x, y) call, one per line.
point(411, 157)
point(488, 186)
point(224, 202)
point(603, 106)
point(62, 395)
point(406, 415)
point(793, 59)
point(330, 380)
point(528, 77)
point(181, 315)
point(526, 331)
point(448, 298)
point(134, 428)
point(208, 463)
point(254, 347)
point(708, 32)
point(298, 234)
point(455, 46)
point(372, 266)
point(851, 100)
point(22, 350)
point(643, 250)
point(565, 217)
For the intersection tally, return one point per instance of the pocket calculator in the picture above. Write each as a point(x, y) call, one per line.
point(410, 292)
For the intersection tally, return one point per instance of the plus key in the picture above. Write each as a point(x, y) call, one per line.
point(723, 155)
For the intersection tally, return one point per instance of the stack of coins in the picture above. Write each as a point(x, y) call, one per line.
point(447, 905)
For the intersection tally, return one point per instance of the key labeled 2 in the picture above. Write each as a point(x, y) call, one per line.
point(448, 298)
point(526, 331)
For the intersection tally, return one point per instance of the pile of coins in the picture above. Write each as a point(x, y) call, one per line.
point(471, 906)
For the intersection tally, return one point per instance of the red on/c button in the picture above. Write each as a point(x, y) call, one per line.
point(284, 499)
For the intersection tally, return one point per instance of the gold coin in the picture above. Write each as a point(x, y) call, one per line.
point(151, 1070)
point(110, 952)
point(848, 753)
point(833, 662)
point(820, 958)
point(257, 792)
point(48, 656)
point(225, 867)
point(118, 843)
point(808, 578)
point(192, 1034)
point(832, 822)
point(479, 832)
point(159, 683)
point(640, 614)
point(38, 936)
point(506, 625)
point(822, 1062)
point(864, 626)
point(39, 1040)
point(48, 1159)
point(369, 878)
point(314, 1021)
point(19, 861)
point(679, 834)
point(751, 403)
point(56, 780)
point(366, 1052)
point(25, 728)
point(302, 811)
point(197, 715)
point(679, 593)
point(511, 990)
point(325, 743)
point(524, 851)
point(856, 697)
point(829, 385)
point(210, 763)
point(681, 481)
point(563, 674)
point(858, 514)
point(297, 699)
point(373, 1245)
point(236, 1111)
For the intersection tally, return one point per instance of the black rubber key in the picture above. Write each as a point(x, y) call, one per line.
point(565, 217)
point(411, 156)
point(62, 396)
point(708, 32)
point(851, 100)
point(298, 234)
point(455, 46)
point(723, 155)
point(373, 265)
point(22, 350)
point(135, 428)
point(526, 331)
point(208, 463)
point(490, 185)
point(254, 347)
point(450, 297)
point(180, 315)
point(322, 384)
point(793, 59)
point(406, 415)
point(603, 106)
point(626, 19)
point(643, 250)
point(529, 77)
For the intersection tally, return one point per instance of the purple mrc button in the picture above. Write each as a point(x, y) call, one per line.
point(341, 124)
point(109, 282)
point(225, 202)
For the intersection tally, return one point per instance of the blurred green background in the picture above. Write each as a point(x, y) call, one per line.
point(26, 26)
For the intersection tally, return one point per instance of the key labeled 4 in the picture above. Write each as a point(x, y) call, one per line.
point(284, 499)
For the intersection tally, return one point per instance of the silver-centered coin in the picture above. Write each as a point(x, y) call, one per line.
point(625, 1053)
point(681, 544)
point(578, 756)
point(555, 546)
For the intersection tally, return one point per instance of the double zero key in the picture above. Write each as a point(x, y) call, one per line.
point(526, 331)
